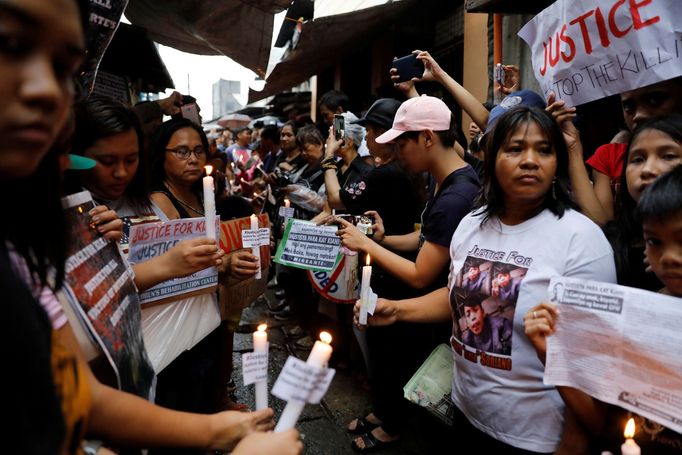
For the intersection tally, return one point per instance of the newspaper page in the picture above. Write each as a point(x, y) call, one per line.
point(620, 345)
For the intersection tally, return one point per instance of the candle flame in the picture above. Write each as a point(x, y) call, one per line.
point(629, 428)
point(325, 337)
point(208, 169)
point(80, 209)
point(262, 327)
point(368, 260)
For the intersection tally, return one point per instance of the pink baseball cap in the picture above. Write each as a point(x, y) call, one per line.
point(418, 114)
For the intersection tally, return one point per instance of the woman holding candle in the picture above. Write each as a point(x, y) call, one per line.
point(502, 401)
point(53, 394)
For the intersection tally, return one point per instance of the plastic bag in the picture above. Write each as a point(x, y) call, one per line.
point(431, 385)
point(306, 198)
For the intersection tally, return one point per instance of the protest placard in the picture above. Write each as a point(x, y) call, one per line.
point(254, 367)
point(584, 50)
point(99, 284)
point(620, 345)
point(306, 245)
point(340, 285)
point(151, 240)
point(235, 294)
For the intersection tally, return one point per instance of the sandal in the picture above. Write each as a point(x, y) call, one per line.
point(362, 426)
point(371, 443)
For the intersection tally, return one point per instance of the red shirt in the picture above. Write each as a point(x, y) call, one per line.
point(608, 159)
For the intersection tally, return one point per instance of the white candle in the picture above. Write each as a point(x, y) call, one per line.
point(364, 292)
point(260, 345)
point(319, 357)
point(287, 203)
point(256, 249)
point(630, 447)
point(209, 203)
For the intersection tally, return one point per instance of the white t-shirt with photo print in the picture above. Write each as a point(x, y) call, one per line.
point(504, 395)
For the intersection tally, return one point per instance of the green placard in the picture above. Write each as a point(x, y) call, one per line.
point(308, 246)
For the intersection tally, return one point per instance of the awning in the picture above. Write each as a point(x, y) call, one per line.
point(132, 53)
point(239, 29)
point(326, 41)
point(507, 6)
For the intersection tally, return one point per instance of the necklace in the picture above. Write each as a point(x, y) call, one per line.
point(200, 212)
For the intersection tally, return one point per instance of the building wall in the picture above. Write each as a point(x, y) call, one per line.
point(475, 58)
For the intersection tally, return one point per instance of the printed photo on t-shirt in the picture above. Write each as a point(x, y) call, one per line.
point(483, 301)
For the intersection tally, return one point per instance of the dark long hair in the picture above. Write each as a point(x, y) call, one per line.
point(101, 117)
point(626, 230)
point(158, 150)
point(558, 199)
point(34, 201)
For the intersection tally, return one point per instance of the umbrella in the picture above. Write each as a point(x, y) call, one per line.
point(233, 121)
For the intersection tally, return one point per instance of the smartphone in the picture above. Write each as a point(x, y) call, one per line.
point(190, 112)
point(499, 74)
point(339, 127)
point(409, 67)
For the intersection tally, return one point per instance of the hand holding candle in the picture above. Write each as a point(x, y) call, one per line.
point(287, 203)
point(630, 447)
point(209, 203)
point(256, 249)
point(364, 292)
point(260, 345)
point(318, 357)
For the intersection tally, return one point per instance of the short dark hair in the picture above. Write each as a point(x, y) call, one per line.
point(270, 132)
point(491, 200)
point(334, 99)
point(100, 117)
point(309, 134)
point(472, 300)
point(160, 142)
point(662, 200)
point(447, 137)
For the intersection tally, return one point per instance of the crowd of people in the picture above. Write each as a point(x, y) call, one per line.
point(466, 235)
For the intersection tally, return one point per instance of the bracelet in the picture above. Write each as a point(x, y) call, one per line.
point(329, 163)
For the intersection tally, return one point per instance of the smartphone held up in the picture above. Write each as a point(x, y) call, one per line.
point(339, 127)
point(408, 67)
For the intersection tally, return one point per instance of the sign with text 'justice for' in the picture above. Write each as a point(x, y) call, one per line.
point(584, 50)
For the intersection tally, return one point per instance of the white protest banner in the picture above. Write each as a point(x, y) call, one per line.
point(299, 381)
point(620, 345)
point(255, 237)
point(584, 50)
point(151, 240)
point(308, 246)
point(254, 367)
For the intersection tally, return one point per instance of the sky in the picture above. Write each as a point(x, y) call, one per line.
point(202, 71)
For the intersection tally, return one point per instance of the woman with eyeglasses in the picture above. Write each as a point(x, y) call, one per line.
point(179, 153)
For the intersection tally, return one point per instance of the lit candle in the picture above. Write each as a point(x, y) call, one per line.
point(255, 250)
point(260, 345)
point(209, 203)
point(287, 203)
point(364, 292)
point(630, 447)
point(319, 357)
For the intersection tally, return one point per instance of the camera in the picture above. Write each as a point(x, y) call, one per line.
point(363, 222)
point(281, 178)
point(339, 127)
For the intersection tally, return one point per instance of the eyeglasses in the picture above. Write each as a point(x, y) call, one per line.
point(184, 152)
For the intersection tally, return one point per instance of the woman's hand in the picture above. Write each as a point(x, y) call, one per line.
point(242, 264)
point(333, 145)
point(230, 427)
point(286, 167)
point(190, 256)
point(107, 223)
point(351, 237)
point(385, 313)
point(564, 117)
point(432, 70)
point(512, 80)
point(284, 443)
point(377, 227)
point(539, 323)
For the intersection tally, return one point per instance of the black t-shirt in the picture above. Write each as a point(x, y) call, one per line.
point(34, 423)
point(389, 190)
point(351, 181)
point(445, 209)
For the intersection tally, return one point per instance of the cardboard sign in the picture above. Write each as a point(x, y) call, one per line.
point(99, 283)
point(235, 294)
point(584, 50)
point(151, 240)
point(308, 246)
point(254, 367)
point(302, 382)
